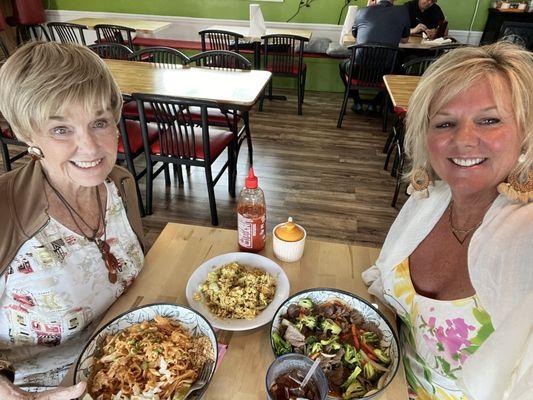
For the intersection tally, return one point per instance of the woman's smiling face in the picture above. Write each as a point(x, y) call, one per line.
point(79, 147)
point(473, 140)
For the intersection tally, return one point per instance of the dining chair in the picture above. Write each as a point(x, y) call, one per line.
point(220, 40)
point(365, 69)
point(112, 51)
point(443, 49)
point(106, 33)
point(8, 138)
point(417, 66)
point(130, 146)
point(180, 141)
point(284, 55)
point(221, 116)
point(65, 32)
point(396, 146)
point(4, 52)
point(28, 17)
point(161, 57)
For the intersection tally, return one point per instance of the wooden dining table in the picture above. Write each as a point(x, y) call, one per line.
point(140, 25)
point(415, 42)
point(181, 248)
point(400, 88)
point(213, 87)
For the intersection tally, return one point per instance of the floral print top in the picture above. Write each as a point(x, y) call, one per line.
point(437, 336)
point(55, 291)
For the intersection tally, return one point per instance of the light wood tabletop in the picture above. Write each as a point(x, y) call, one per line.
point(144, 26)
point(245, 31)
point(212, 86)
point(400, 88)
point(415, 42)
point(180, 249)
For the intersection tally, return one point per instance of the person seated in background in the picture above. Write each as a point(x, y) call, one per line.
point(70, 231)
point(456, 264)
point(381, 22)
point(424, 16)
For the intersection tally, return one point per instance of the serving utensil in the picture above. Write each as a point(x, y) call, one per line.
point(203, 378)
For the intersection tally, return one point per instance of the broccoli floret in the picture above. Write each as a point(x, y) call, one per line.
point(310, 340)
point(331, 342)
point(316, 348)
point(370, 338)
point(350, 355)
point(352, 378)
point(382, 356)
point(299, 325)
point(369, 372)
point(308, 320)
point(329, 325)
point(354, 391)
point(306, 303)
point(280, 346)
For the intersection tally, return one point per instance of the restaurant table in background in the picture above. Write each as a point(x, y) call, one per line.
point(180, 249)
point(210, 86)
point(415, 42)
point(144, 26)
point(400, 88)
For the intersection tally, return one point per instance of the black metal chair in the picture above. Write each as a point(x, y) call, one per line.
point(163, 57)
point(396, 146)
point(66, 32)
point(112, 51)
point(31, 33)
point(8, 138)
point(519, 33)
point(284, 55)
point(225, 117)
point(115, 34)
point(180, 142)
point(368, 63)
point(220, 40)
point(417, 66)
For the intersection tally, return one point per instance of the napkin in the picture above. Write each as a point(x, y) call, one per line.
point(348, 22)
point(257, 22)
point(437, 41)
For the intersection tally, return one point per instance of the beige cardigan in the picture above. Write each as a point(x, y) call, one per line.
point(500, 264)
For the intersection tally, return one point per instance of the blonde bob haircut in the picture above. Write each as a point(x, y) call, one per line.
point(42, 78)
point(501, 64)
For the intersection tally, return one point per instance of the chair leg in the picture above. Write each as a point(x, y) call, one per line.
point(385, 112)
point(232, 167)
point(211, 194)
point(299, 95)
point(149, 185)
point(398, 178)
point(270, 84)
point(389, 153)
point(303, 85)
point(178, 172)
point(343, 107)
point(167, 176)
point(246, 117)
point(262, 99)
point(5, 157)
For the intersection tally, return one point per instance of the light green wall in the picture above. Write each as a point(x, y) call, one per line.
point(458, 12)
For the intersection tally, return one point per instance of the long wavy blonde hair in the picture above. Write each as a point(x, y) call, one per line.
point(500, 64)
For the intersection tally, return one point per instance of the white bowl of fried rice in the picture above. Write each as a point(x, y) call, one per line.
point(154, 351)
point(238, 291)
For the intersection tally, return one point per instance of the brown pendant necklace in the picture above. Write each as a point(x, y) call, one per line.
point(109, 259)
point(461, 234)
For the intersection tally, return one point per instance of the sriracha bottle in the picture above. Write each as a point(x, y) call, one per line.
point(251, 215)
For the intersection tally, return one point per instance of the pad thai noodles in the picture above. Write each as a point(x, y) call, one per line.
point(156, 359)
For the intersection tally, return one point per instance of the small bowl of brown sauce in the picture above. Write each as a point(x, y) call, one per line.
point(284, 377)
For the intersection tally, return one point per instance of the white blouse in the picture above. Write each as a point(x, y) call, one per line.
point(500, 265)
point(55, 288)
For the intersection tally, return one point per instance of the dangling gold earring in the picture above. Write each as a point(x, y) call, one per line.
point(35, 153)
point(419, 184)
point(517, 188)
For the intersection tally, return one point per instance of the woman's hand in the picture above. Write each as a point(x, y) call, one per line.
point(419, 28)
point(9, 391)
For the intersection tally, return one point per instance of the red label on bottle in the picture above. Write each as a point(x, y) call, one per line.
point(252, 232)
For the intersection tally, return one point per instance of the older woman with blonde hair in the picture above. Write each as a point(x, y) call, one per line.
point(456, 265)
point(70, 232)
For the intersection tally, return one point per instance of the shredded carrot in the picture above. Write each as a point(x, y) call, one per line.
point(355, 339)
point(369, 351)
